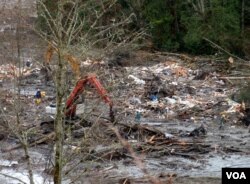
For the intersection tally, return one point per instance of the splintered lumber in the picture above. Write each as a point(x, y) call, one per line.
point(147, 129)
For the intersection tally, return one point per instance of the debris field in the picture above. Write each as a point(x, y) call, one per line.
point(170, 116)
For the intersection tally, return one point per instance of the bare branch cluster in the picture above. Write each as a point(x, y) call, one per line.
point(89, 25)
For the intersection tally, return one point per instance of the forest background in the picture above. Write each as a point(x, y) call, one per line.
point(188, 26)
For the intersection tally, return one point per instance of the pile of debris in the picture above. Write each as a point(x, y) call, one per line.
point(10, 71)
point(167, 91)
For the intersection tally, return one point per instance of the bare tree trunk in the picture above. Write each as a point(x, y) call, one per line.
point(23, 139)
point(176, 18)
point(26, 152)
point(59, 131)
point(242, 17)
point(17, 79)
point(59, 122)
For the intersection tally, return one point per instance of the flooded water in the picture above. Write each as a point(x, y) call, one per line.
point(208, 167)
point(14, 171)
point(12, 176)
point(215, 163)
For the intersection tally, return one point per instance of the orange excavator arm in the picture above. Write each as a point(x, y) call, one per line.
point(79, 88)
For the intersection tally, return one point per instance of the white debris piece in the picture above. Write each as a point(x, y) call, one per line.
point(234, 106)
point(187, 103)
point(8, 163)
point(50, 109)
point(169, 136)
point(170, 100)
point(174, 83)
point(134, 101)
point(232, 102)
point(140, 110)
point(136, 80)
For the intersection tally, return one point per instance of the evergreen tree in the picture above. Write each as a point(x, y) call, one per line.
point(182, 25)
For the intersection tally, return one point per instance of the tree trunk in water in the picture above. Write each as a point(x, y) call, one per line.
point(26, 152)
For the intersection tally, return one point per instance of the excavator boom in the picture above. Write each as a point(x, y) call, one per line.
point(79, 88)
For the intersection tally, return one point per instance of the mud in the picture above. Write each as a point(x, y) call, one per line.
point(225, 141)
